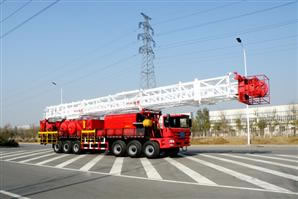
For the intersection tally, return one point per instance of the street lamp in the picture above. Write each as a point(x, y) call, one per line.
point(55, 84)
point(245, 73)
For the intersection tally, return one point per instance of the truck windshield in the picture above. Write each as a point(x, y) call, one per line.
point(177, 122)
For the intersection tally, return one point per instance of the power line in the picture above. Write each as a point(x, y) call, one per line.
point(29, 19)
point(94, 72)
point(226, 47)
point(197, 13)
point(2, 2)
point(226, 19)
point(226, 35)
point(82, 66)
point(16, 11)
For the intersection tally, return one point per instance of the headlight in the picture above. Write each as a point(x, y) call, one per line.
point(171, 141)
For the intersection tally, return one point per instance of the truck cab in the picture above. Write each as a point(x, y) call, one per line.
point(175, 130)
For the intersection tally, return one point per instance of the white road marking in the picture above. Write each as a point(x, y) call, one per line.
point(191, 173)
point(169, 181)
point(28, 155)
point(64, 164)
point(150, 170)
point(117, 166)
point(289, 156)
point(5, 152)
point(265, 170)
point(23, 153)
point(13, 195)
point(274, 158)
point(35, 158)
point(240, 176)
point(91, 163)
point(52, 159)
point(262, 161)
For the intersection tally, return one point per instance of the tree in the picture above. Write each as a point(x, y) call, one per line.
point(238, 122)
point(273, 122)
point(224, 125)
point(292, 119)
point(216, 127)
point(261, 124)
point(203, 121)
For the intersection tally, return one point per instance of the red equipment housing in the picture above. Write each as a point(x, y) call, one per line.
point(253, 90)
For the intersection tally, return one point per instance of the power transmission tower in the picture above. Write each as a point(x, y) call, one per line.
point(147, 70)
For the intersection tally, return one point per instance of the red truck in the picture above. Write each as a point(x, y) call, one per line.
point(146, 132)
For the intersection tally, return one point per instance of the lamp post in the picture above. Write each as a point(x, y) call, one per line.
point(245, 73)
point(61, 97)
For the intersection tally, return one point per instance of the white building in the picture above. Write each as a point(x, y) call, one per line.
point(277, 120)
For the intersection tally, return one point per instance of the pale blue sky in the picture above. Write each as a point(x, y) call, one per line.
point(90, 49)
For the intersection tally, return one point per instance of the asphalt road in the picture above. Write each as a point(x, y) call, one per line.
point(34, 171)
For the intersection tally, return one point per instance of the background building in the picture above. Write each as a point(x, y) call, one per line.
point(264, 121)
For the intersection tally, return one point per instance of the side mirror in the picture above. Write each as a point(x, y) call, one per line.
point(190, 123)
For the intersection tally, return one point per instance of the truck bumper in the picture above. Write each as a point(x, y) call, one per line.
point(166, 143)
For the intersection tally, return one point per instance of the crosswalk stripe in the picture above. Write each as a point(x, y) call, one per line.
point(274, 158)
point(5, 153)
point(28, 155)
point(35, 158)
point(265, 170)
point(64, 164)
point(240, 176)
point(91, 163)
point(52, 159)
point(117, 166)
point(191, 173)
point(23, 153)
point(150, 170)
point(288, 156)
point(263, 161)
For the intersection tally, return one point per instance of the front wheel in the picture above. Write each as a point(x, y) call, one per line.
point(151, 149)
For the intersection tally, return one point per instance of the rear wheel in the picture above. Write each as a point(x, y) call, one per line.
point(151, 149)
point(134, 148)
point(67, 147)
point(76, 147)
point(58, 147)
point(119, 148)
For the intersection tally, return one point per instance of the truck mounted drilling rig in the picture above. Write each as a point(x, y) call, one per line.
point(132, 123)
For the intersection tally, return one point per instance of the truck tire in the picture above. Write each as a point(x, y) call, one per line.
point(134, 149)
point(76, 147)
point(151, 149)
point(67, 147)
point(119, 148)
point(58, 147)
point(173, 152)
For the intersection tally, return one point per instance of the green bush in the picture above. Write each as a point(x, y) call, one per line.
point(7, 134)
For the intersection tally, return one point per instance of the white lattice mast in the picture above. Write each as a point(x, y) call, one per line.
point(194, 93)
point(147, 70)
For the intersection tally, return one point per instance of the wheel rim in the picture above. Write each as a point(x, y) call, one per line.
point(76, 148)
point(132, 150)
point(117, 149)
point(56, 147)
point(149, 150)
point(65, 147)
